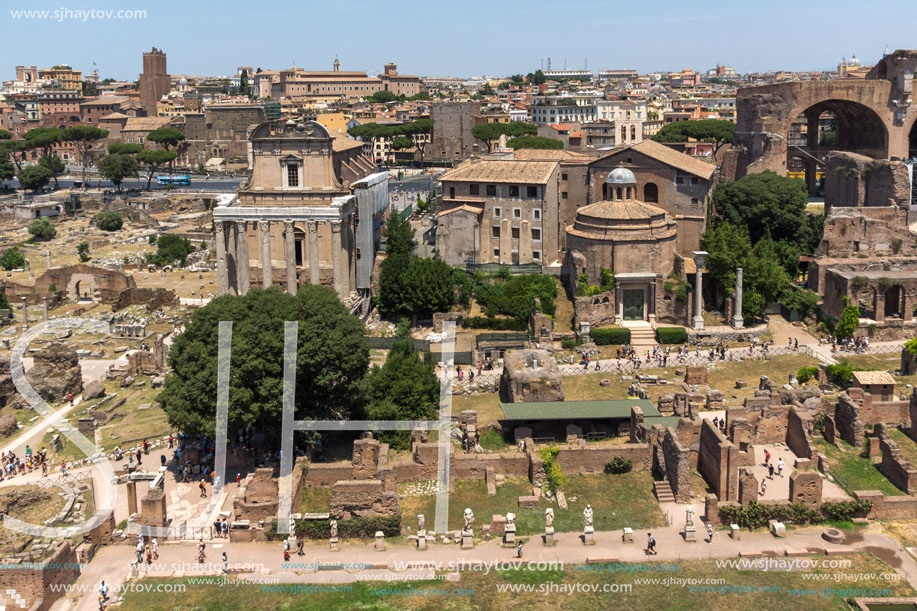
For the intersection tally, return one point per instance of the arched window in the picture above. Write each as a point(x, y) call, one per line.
point(633, 133)
point(619, 193)
point(605, 191)
point(628, 192)
point(623, 133)
point(651, 193)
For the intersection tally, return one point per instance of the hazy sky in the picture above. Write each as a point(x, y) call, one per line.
point(459, 37)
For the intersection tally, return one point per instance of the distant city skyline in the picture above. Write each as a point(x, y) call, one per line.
point(474, 38)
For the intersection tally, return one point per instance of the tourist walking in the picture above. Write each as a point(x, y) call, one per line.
point(650, 544)
point(780, 466)
point(225, 563)
point(709, 532)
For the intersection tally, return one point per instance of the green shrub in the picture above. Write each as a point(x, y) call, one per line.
point(841, 373)
point(605, 337)
point(553, 474)
point(495, 324)
point(568, 343)
point(806, 373)
point(12, 259)
point(672, 335)
point(491, 439)
point(42, 229)
point(347, 529)
point(109, 220)
point(845, 511)
point(618, 464)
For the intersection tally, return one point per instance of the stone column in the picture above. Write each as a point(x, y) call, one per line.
point(266, 279)
point(290, 256)
point(25, 314)
point(345, 260)
point(222, 265)
point(48, 259)
point(44, 305)
point(313, 252)
point(336, 258)
point(699, 257)
point(737, 321)
point(651, 303)
point(242, 256)
point(619, 304)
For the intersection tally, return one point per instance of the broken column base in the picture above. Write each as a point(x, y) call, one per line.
point(334, 545)
point(467, 540)
point(589, 536)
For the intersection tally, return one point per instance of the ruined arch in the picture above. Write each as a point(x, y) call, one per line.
point(912, 140)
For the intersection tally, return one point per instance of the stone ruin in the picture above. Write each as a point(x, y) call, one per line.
point(257, 499)
point(142, 362)
point(372, 491)
point(530, 375)
point(56, 373)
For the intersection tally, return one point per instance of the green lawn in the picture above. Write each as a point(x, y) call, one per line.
point(907, 445)
point(854, 471)
point(477, 591)
point(314, 500)
point(617, 501)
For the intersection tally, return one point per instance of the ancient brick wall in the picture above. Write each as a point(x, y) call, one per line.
point(798, 436)
point(592, 460)
point(362, 497)
point(34, 584)
point(154, 299)
point(677, 465)
point(474, 466)
point(325, 474)
point(889, 507)
point(895, 466)
point(847, 422)
point(713, 461)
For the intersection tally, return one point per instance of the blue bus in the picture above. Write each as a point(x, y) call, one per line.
point(183, 180)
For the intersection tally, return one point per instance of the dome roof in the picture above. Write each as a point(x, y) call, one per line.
point(183, 81)
point(621, 176)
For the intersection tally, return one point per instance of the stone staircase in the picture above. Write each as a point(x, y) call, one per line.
point(663, 492)
point(642, 336)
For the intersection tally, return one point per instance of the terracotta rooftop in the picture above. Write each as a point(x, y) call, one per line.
point(631, 210)
point(146, 123)
point(869, 378)
point(549, 155)
point(106, 100)
point(462, 208)
point(528, 172)
point(671, 157)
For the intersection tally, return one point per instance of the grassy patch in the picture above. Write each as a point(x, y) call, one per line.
point(315, 500)
point(850, 468)
point(493, 440)
point(763, 590)
point(617, 501)
point(486, 404)
point(28, 503)
point(907, 445)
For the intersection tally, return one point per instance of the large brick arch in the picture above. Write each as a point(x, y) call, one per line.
point(765, 114)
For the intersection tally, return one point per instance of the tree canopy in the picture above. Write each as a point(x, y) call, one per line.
point(153, 160)
point(124, 148)
point(171, 249)
point(42, 229)
point(717, 131)
point(488, 132)
point(117, 167)
point(109, 220)
point(534, 142)
point(34, 177)
point(332, 359)
point(767, 204)
point(83, 137)
point(12, 258)
point(404, 388)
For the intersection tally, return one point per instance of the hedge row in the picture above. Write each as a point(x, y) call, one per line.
point(350, 529)
point(495, 324)
point(756, 515)
point(671, 335)
point(605, 337)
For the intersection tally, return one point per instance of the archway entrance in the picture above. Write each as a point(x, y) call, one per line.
point(832, 125)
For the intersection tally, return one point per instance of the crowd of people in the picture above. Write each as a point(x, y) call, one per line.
point(850, 344)
point(13, 465)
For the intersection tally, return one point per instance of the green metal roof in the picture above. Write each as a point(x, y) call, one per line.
point(665, 421)
point(562, 410)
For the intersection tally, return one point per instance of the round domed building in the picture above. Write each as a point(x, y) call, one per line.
point(632, 239)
